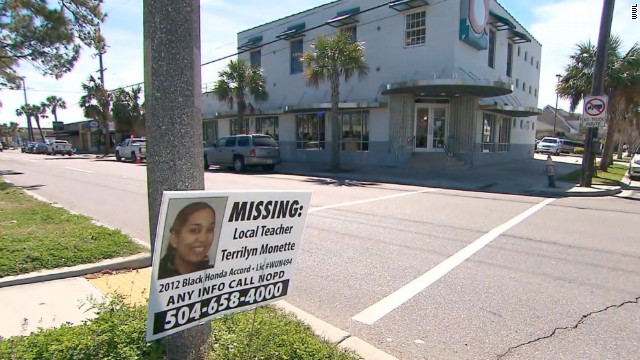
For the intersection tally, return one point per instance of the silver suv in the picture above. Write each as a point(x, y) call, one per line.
point(239, 151)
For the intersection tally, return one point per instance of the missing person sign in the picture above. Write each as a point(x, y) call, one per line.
point(222, 252)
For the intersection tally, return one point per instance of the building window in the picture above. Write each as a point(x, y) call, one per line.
point(521, 123)
point(524, 86)
point(535, 92)
point(531, 60)
point(355, 130)
point(529, 89)
point(310, 131)
point(267, 125)
point(509, 58)
point(236, 127)
point(518, 51)
point(488, 125)
point(296, 56)
point(526, 55)
point(517, 83)
point(538, 65)
point(256, 58)
point(415, 28)
point(210, 131)
point(504, 135)
point(492, 48)
point(351, 31)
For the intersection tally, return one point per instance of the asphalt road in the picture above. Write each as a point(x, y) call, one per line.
point(421, 273)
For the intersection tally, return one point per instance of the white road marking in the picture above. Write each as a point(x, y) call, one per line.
point(370, 200)
point(378, 310)
point(86, 171)
point(31, 160)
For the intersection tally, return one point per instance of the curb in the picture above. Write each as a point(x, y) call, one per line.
point(336, 336)
point(600, 192)
point(130, 262)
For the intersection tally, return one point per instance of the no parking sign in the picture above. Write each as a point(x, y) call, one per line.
point(594, 111)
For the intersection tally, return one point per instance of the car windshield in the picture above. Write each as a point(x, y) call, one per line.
point(638, 150)
point(264, 140)
point(552, 141)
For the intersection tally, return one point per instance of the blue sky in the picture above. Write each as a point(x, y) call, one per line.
point(557, 24)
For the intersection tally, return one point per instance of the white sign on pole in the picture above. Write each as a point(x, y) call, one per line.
point(594, 111)
point(222, 252)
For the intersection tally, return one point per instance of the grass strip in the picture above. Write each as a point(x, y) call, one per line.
point(35, 235)
point(613, 175)
point(118, 332)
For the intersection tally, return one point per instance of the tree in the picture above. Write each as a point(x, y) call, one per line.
point(34, 111)
point(127, 112)
point(237, 83)
point(96, 103)
point(46, 37)
point(53, 104)
point(330, 59)
point(621, 85)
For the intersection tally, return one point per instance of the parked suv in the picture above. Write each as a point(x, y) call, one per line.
point(239, 151)
point(549, 145)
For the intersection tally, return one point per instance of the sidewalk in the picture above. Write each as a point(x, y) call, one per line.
point(48, 302)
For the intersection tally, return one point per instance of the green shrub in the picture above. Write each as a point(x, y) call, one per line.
point(578, 150)
point(117, 333)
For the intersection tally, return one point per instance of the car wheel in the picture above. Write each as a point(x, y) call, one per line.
point(118, 158)
point(238, 164)
point(133, 157)
point(206, 163)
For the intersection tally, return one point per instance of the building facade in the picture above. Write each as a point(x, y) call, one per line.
point(456, 78)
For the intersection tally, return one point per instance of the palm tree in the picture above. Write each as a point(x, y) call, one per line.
point(53, 104)
point(237, 83)
point(621, 85)
point(34, 111)
point(330, 59)
point(96, 103)
point(127, 112)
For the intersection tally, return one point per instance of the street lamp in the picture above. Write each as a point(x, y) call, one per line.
point(555, 115)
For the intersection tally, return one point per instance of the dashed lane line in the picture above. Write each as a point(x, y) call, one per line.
point(81, 170)
point(320, 208)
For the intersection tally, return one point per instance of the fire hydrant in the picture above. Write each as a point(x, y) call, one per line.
point(550, 171)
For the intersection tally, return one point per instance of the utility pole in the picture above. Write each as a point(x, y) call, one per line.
point(555, 115)
point(173, 113)
point(29, 128)
point(588, 157)
point(107, 132)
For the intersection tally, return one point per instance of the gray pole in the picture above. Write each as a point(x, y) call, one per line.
point(29, 127)
point(596, 88)
point(555, 115)
point(174, 122)
point(105, 131)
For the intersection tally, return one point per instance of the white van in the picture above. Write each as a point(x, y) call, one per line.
point(549, 145)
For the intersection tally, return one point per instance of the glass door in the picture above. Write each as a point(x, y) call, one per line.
point(430, 127)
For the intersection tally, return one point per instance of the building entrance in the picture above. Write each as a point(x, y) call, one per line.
point(430, 127)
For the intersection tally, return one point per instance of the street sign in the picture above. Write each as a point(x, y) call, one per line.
point(94, 124)
point(594, 111)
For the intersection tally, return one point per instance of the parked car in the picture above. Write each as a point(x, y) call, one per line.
point(132, 148)
point(2, 146)
point(27, 147)
point(240, 151)
point(566, 146)
point(41, 148)
point(634, 165)
point(549, 145)
point(61, 147)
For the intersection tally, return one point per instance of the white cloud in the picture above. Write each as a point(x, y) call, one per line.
point(559, 26)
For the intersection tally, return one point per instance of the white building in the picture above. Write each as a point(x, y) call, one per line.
point(457, 77)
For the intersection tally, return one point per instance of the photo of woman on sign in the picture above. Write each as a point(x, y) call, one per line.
point(190, 238)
